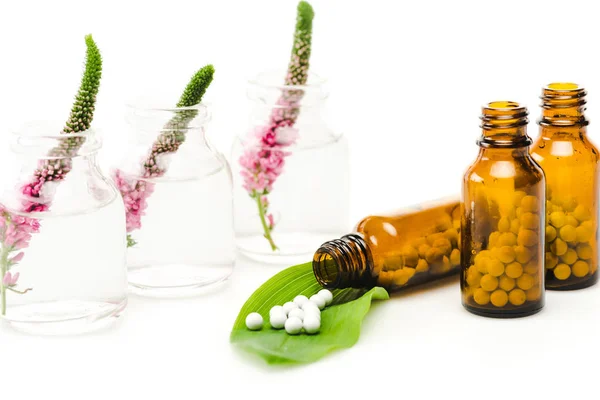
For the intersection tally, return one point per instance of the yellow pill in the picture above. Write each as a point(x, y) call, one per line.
point(568, 233)
point(434, 254)
point(551, 260)
point(495, 267)
point(473, 277)
point(529, 204)
point(533, 294)
point(569, 204)
point(569, 257)
point(507, 239)
point(562, 272)
point(559, 247)
point(506, 254)
point(525, 281)
point(493, 240)
point(402, 276)
point(506, 283)
point(423, 249)
point(581, 213)
point(584, 251)
point(455, 257)
point(530, 221)
point(558, 219)
point(517, 297)
point(531, 268)
point(481, 264)
point(515, 226)
point(410, 256)
point(385, 279)
point(504, 224)
point(481, 297)
point(483, 254)
point(571, 221)
point(488, 282)
point(443, 266)
point(518, 197)
point(527, 238)
point(581, 269)
point(514, 270)
point(499, 298)
point(422, 265)
point(452, 235)
point(584, 232)
point(434, 236)
point(550, 233)
point(443, 244)
point(523, 254)
point(444, 222)
point(518, 212)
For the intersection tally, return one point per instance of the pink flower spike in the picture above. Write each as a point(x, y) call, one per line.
point(9, 279)
point(17, 258)
point(271, 221)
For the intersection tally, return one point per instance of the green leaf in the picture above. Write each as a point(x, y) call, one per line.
point(340, 322)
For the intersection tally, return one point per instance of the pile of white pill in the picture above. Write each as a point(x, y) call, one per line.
point(300, 314)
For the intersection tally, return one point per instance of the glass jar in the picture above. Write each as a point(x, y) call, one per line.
point(570, 162)
point(504, 198)
point(178, 200)
point(62, 235)
point(287, 156)
point(395, 251)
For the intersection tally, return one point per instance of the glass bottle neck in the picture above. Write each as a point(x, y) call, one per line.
point(344, 263)
point(563, 105)
point(504, 126)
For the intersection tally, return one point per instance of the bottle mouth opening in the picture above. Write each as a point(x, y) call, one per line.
point(503, 114)
point(563, 86)
point(39, 139)
point(326, 269)
point(563, 95)
point(268, 88)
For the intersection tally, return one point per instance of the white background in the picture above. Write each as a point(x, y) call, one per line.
point(407, 80)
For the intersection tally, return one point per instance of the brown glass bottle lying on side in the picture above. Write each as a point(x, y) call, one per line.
point(395, 251)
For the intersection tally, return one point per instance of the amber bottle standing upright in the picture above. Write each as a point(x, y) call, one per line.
point(394, 251)
point(503, 209)
point(570, 163)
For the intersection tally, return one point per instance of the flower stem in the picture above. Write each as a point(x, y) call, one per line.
point(261, 214)
point(3, 269)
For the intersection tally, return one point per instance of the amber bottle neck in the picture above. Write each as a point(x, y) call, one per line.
point(504, 126)
point(344, 263)
point(563, 105)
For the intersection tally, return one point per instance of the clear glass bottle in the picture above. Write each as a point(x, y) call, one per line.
point(288, 155)
point(570, 162)
point(503, 202)
point(396, 250)
point(178, 200)
point(62, 235)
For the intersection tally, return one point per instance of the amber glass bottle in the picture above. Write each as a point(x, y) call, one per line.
point(503, 211)
point(395, 251)
point(570, 163)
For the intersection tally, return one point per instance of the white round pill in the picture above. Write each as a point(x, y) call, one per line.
point(296, 312)
point(275, 309)
point(289, 306)
point(327, 295)
point(300, 299)
point(318, 300)
point(293, 326)
point(311, 324)
point(254, 321)
point(314, 312)
point(277, 319)
point(308, 305)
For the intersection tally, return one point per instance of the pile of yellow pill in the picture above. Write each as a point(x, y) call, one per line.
point(507, 271)
point(434, 254)
point(569, 233)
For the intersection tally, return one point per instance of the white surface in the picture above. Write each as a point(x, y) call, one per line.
point(407, 80)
